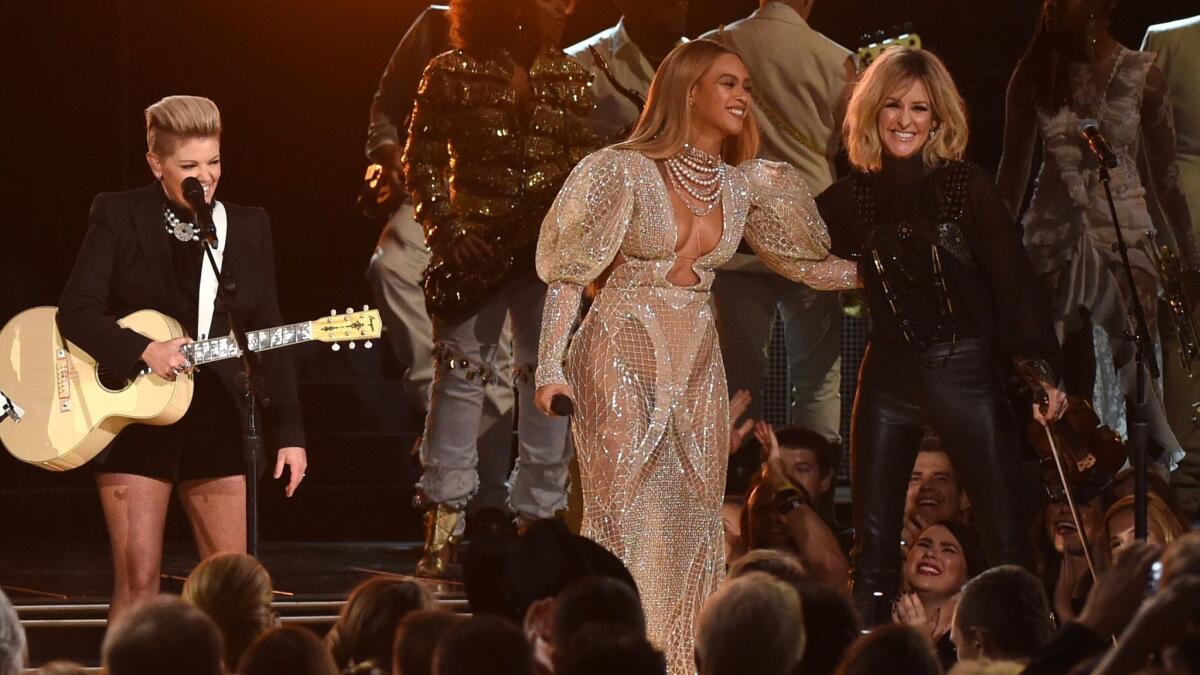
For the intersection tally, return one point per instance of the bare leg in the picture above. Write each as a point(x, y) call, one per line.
point(135, 510)
point(216, 508)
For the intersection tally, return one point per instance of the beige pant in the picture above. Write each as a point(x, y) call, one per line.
point(395, 275)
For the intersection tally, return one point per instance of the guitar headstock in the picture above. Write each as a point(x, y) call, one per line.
point(349, 327)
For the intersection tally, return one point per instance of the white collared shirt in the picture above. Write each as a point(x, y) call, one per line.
point(614, 111)
point(208, 278)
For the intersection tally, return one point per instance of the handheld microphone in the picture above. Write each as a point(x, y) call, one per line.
point(1089, 130)
point(193, 192)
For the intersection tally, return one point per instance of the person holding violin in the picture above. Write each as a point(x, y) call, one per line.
point(952, 297)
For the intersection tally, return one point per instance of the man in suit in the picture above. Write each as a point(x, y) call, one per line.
point(801, 81)
point(632, 51)
point(1177, 44)
point(397, 267)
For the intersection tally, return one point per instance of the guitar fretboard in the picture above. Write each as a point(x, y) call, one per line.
point(215, 349)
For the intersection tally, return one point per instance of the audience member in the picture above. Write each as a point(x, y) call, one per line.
point(164, 635)
point(12, 639)
point(361, 640)
point(752, 624)
point(1110, 604)
point(783, 509)
point(610, 649)
point(831, 624)
point(1058, 547)
point(934, 493)
point(1162, 527)
point(889, 649)
point(943, 558)
point(289, 650)
point(1002, 615)
point(483, 645)
point(234, 590)
point(416, 639)
point(596, 600)
point(1182, 557)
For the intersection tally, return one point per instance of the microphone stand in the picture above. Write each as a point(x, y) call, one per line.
point(248, 380)
point(1138, 427)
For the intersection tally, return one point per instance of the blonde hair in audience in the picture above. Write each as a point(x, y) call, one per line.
point(235, 591)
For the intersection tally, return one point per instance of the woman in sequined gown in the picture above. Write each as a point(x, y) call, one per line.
point(651, 421)
point(1075, 70)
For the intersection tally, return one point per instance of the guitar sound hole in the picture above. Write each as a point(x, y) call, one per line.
point(110, 380)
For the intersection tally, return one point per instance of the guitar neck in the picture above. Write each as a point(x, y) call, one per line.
point(216, 349)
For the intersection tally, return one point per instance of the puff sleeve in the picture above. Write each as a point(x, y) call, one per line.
point(579, 239)
point(786, 232)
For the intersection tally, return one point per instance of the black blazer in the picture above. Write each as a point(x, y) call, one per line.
point(124, 265)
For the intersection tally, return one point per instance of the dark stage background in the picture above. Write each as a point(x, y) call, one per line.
point(294, 80)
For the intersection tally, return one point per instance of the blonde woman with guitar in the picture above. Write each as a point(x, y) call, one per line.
point(142, 252)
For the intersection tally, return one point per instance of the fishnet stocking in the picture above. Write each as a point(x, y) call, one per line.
point(216, 508)
point(135, 510)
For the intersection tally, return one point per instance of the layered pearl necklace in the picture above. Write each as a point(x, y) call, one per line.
point(699, 175)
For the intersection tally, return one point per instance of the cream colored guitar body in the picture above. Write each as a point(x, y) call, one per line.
point(70, 416)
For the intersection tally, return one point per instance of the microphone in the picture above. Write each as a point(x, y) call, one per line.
point(1089, 130)
point(193, 192)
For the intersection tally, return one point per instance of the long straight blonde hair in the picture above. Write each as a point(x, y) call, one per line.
point(666, 123)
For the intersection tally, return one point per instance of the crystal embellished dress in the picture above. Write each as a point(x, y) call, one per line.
point(651, 425)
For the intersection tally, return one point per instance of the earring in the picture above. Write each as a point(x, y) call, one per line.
point(932, 134)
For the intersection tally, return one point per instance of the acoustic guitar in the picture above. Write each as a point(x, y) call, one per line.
point(74, 407)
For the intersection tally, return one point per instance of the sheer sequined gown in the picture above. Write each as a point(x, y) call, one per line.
point(651, 426)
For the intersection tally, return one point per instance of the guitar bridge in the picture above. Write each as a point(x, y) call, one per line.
point(62, 376)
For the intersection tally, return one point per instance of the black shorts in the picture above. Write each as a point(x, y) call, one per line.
point(205, 443)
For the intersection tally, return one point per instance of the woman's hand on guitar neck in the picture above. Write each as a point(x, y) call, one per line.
point(1052, 409)
point(166, 359)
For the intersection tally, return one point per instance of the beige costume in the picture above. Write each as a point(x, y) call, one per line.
point(799, 78)
point(651, 426)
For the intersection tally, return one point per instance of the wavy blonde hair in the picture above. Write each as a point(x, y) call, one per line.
point(234, 590)
point(898, 67)
point(1158, 514)
point(665, 124)
point(177, 118)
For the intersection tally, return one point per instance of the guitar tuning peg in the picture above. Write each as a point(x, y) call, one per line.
point(368, 344)
point(366, 307)
point(349, 310)
point(352, 344)
point(332, 312)
point(336, 347)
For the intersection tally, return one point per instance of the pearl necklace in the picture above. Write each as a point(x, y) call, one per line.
point(180, 229)
point(699, 175)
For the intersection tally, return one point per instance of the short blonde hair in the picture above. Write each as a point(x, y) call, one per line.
point(665, 124)
point(895, 68)
point(177, 118)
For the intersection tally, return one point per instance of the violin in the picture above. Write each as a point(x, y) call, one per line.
point(1091, 453)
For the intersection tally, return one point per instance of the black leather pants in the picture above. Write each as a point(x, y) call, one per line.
point(955, 390)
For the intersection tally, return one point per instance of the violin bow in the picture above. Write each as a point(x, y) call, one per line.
point(1062, 476)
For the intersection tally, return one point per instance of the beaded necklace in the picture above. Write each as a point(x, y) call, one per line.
point(699, 175)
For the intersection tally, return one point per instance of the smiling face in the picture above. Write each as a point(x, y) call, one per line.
point(720, 99)
point(905, 120)
point(933, 489)
point(936, 563)
point(198, 157)
point(1060, 526)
